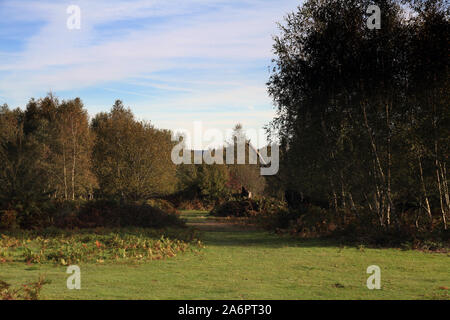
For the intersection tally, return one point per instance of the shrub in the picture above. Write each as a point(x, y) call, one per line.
point(113, 214)
point(164, 205)
point(314, 222)
point(28, 291)
point(91, 214)
point(65, 214)
point(356, 227)
point(236, 208)
point(65, 247)
point(248, 208)
point(8, 219)
point(196, 204)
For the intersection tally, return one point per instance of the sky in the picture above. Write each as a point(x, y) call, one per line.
point(173, 62)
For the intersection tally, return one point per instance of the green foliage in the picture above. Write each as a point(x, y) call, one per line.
point(212, 184)
point(209, 182)
point(264, 264)
point(64, 247)
point(131, 158)
point(89, 214)
point(246, 175)
point(213, 181)
point(28, 291)
point(248, 208)
point(236, 208)
point(8, 219)
point(61, 130)
point(185, 203)
point(44, 153)
point(107, 213)
point(354, 227)
point(163, 205)
point(363, 115)
point(23, 179)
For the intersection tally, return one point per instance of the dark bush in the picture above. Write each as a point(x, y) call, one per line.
point(236, 208)
point(163, 204)
point(25, 216)
point(195, 204)
point(89, 214)
point(65, 214)
point(191, 199)
point(8, 219)
point(28, 291)
point(106, 213)
point(355, 226)
point(248, 208)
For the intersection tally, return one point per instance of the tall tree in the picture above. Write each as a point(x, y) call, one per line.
point(353, 108)
point(247, 174)
point(62, 129)
point(132, 159)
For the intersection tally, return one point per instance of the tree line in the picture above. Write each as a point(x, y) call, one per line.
point(53, 151)
point(363, 123)
point(363, 115)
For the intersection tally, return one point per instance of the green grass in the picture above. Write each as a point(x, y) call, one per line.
point(250, 264)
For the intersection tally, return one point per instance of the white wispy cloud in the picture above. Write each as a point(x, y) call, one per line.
point(57, 57)
point(135, 43)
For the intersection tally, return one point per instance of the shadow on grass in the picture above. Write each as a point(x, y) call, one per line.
point(219, 232)
point(249, 238)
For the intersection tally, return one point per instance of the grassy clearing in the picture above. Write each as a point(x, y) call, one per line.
point(250, 264)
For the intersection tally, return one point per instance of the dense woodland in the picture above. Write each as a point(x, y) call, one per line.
point(363, 115)
point(363, 122)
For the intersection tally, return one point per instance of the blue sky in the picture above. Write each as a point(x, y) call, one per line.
point(171, 61)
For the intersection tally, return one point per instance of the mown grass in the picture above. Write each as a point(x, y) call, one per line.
point(250, 264)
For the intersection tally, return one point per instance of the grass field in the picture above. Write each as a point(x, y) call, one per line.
point(242, 263)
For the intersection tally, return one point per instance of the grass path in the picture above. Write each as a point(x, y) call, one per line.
point(251, 264)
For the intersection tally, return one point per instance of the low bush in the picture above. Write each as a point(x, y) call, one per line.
point(248, 208)
point(26, 215)
point(91, 214)
point(191, 199)
point(8, 219)
point(164, 205)
point(28, 291)
point(405, 237)
point(312, 222)
point(236, 208)
point(114, 214)
point(195, 204)
point(355, 226)
point(65, 247)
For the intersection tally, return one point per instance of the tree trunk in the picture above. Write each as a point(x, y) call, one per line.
point(65, 172)
point(389, 165)
point(424, 189)
point(385, 183)
point(441, 194)
point(74, 155)
point(335, 200)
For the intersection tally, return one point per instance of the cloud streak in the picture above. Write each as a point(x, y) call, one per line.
point(130, 43)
